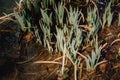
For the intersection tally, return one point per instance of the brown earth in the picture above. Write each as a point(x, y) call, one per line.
point(25, 68)
point(15, 64)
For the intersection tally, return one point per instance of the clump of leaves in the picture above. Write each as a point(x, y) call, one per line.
point(93, 21)
point(92, 61)
point(20, 20)
point(107, 16)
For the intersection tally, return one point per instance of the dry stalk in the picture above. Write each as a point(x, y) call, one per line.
point(47, 62)
point(118, 35)
point(81, 67)
point(26, 61)
point(6, 16)
point(52, 73)
point(63, 60)
point(116, 40)
point(58, 58)
point(104, 45)
point(75, 72)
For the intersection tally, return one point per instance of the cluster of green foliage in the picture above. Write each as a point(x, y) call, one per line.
point(57, 24)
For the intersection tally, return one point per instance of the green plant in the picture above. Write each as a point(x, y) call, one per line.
point(59, 13)
point(92, 61)
point(119, 52)
point(93, 21)
point(37, 35)
point(119, 20)
point(20, 19)
point(107, 16)
point(69, 37)
point(73, 17)
point(45, 25)
point(60, 39)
